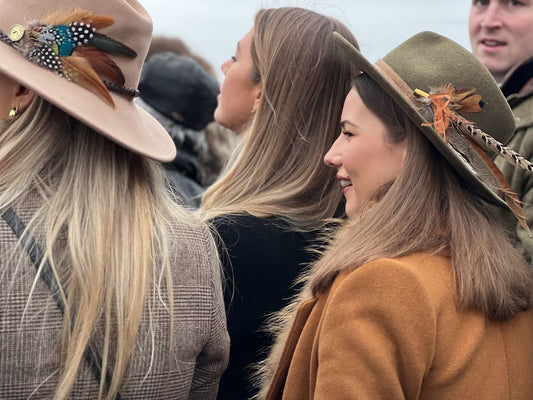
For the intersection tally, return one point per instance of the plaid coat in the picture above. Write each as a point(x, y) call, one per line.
point(30, 339)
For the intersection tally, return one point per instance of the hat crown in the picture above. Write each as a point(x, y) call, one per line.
point(428, 61)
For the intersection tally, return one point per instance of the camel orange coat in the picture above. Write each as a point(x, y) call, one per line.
point(390, 330)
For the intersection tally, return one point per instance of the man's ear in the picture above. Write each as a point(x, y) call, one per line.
point(23, 98)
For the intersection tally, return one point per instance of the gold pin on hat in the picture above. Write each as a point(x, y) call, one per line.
point(16, 32)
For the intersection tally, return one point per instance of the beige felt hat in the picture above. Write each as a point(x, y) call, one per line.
point(415, 71)
point(85, 57)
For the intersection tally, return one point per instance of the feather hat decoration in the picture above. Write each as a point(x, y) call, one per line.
point(85, 57)
point(442, 105)
point(456, 104)
point(68, 44)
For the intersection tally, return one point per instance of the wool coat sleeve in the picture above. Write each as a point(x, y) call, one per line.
point(377, 337)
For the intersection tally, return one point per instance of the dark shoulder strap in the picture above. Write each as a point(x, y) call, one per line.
point(91, 356)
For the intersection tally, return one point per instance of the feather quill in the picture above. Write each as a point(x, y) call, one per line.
point(442, 106)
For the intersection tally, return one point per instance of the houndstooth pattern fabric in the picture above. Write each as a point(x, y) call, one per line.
point(30, 330)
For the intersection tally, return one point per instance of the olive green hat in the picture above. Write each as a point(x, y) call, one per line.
point(455, 102)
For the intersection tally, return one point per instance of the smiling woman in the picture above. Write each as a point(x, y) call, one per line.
point(365, 155)
point(421, 288)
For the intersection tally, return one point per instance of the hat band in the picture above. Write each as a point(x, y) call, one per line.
point(120, 89)
point(395, 79)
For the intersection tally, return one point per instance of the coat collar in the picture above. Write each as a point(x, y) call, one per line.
point(518, 83)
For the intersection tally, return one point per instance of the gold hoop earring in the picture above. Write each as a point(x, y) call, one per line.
point(13, 113)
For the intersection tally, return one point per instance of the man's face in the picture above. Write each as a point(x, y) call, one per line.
point(501, 33)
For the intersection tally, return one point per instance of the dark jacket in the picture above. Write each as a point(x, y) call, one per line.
point(261, 259)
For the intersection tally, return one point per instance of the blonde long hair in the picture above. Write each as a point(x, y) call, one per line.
point(429, 209)
point(277, 168)
point(112, 209)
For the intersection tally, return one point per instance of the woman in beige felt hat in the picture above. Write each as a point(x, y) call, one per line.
point(108, 289)
point(420, 295)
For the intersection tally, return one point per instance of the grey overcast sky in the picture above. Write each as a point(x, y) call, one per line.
point(211, 28)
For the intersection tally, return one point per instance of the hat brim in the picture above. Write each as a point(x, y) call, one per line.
point(393, 89)
point(126, 124)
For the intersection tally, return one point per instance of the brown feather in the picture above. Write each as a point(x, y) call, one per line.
point(78, 15)
point(467, 101)
point(511, 198)
point(79, 70)
point(66, 17)
point(102, 64)
point(99, 21)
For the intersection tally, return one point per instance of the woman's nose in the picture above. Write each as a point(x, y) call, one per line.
point(333, 157)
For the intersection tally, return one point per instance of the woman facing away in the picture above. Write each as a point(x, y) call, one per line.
point(420, 294)
point(283, 92)
point(108, 288)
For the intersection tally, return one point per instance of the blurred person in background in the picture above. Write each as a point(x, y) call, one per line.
point(182, 96)
point(185, 105)
point(501, 37)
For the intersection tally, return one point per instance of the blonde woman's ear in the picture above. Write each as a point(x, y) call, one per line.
point(23, 98)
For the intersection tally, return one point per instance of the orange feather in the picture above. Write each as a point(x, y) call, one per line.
point(445, 101)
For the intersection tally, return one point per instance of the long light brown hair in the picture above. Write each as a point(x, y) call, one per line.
point(277, 168)
point(105, 220)
point(428, 208)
